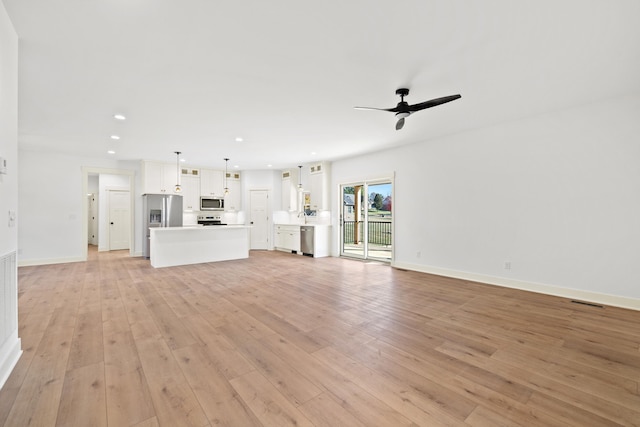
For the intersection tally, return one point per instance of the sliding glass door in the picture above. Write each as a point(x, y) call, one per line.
point(367, 220)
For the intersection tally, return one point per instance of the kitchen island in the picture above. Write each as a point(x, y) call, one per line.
point(171, 246)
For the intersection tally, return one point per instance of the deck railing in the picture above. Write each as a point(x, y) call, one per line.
point(379, 232)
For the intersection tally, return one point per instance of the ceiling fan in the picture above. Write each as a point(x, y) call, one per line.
point(403, 109)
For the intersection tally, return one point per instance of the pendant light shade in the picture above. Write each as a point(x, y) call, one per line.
point(177, 188)
point(299, 177)
point(226, 177)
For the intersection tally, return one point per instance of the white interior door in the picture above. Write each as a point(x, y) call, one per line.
point(259, 219)
point(119, 220)
point(92, 221)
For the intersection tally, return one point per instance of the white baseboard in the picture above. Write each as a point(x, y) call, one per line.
point(576, 294)
point(10, 353)
point(46, 261)
point(31, 262)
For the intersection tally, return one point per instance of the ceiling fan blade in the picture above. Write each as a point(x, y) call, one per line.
point(433, 102)
point(400, 124)
point(393, 110)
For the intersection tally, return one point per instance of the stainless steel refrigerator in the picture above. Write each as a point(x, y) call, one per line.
point(160, 210)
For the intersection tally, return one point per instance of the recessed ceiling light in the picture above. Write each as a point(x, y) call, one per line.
point(238, 139)
point(236, 166)
point(313, 153)
point(115, 137)
point(183, 160)
point(111, 152)
point(269, 166)
point(119, 117)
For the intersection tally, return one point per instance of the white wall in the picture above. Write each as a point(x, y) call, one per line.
point(8, 130)
point(52, 206)
point(9, 342)
point(557, 196)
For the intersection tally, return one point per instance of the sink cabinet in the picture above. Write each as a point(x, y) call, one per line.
point(287, 238)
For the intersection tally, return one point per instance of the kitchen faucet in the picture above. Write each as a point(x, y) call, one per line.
point(303, 214)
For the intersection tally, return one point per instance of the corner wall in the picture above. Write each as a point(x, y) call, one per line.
point(10, 350)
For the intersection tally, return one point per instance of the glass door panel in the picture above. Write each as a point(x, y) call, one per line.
point(352, 221)
point(379, 221)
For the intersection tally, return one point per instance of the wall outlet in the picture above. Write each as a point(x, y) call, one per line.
point(507, 265)
point(3, 165)
point(418, 254)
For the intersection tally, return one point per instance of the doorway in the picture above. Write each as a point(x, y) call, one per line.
point(366, 220)
point(99, 180)
point(259, 219)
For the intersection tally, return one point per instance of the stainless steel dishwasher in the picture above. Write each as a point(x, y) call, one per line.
point(306, 240)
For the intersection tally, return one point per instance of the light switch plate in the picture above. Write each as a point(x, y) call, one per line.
point(3, 165)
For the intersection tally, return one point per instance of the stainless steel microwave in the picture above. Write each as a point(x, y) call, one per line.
point(211, 203)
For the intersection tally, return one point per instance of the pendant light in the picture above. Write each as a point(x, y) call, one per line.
point(226, 177)
point(177, 188)
point(300, 178)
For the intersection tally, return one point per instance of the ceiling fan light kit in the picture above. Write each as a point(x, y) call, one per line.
point(404, 110)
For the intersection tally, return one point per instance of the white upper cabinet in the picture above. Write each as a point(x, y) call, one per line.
point(190, 192)
point(211, 182)
point(319, 186)
point(290, 190)
point(159, 178)
point(233, 200)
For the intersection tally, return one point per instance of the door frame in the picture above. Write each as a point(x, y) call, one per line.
point(366, 183)
point(86, 171)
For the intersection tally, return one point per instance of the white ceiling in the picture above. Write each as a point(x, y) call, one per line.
point(285, 74)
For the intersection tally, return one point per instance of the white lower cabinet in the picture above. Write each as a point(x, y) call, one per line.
point(287, 238)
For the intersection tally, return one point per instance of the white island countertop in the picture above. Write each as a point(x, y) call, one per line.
point(171, 246)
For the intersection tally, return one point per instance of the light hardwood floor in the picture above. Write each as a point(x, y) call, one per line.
point(279, 340)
